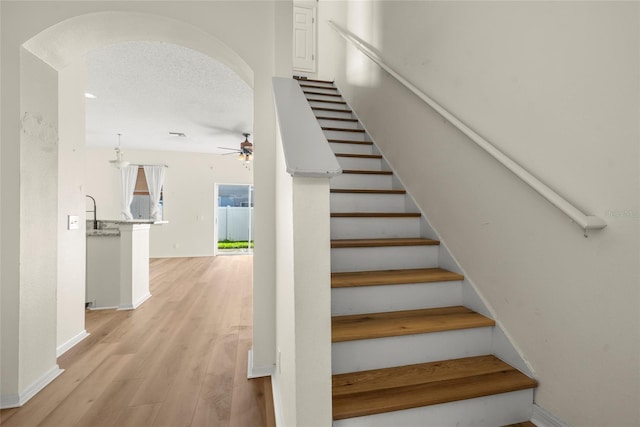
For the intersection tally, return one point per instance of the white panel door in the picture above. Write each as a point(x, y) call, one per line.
point(304, 39)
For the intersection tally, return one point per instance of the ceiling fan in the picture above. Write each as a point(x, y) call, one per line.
point(245, 152)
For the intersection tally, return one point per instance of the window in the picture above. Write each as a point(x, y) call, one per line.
point(141, 204)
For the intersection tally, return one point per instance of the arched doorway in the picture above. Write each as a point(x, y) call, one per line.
point(29, 337)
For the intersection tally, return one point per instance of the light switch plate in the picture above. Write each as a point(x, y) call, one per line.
point(73, 222)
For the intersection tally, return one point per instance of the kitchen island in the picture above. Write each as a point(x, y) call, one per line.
point(118, 264)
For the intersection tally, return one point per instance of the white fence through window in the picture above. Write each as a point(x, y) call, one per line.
point(233, 223)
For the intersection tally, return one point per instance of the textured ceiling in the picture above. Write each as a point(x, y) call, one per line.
point(144, 90)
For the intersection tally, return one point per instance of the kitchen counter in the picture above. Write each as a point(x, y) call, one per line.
point(104, 232)
point(109, 227)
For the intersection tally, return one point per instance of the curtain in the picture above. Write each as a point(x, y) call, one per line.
point(155, 180)
point(128, 176)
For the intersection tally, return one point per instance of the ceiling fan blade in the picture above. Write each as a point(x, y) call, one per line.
point(225, 148)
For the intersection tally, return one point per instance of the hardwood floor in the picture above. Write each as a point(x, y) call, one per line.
point(180, 359)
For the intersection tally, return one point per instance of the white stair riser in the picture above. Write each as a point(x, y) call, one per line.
point(362, 355)
point(378, 299)
point(350, 136)
point(351, 148)
point(359, 163)
point(329, 105)
point(338, 124)
point(355, 202)
point(358, 180)
point(374, 228)
point(322, 97)
point(340, 114)
point(383, 258)
point(496, 410)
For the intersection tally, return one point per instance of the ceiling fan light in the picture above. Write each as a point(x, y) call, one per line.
point(241, 156)
point(119, 161)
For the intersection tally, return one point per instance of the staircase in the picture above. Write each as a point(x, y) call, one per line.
point(405, 349)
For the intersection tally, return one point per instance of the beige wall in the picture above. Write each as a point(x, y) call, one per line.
point(188, 195)
point(240, 34)
point(555, 85)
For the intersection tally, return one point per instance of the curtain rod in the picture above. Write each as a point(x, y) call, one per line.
point(140, 165)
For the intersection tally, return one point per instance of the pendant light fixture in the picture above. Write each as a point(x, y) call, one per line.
point(119, 161)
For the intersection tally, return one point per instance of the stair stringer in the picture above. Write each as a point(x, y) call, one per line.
point(502, 344)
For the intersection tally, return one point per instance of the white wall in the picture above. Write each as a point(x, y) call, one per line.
point(285, 371)
point(211, 27)
point(38, 177)
point(188, 195)
point(303, 296)
point(554, 85)
point(71, 201)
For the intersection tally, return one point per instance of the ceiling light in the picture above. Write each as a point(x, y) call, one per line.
point(89, 95)
point(119, 161)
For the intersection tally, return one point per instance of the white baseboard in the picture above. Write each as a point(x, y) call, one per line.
point(277, 402)
point(543, 418)
point(17, 400)
point(9, 401)
point(257, 371)
point(135, 304)
point(72, 342)
point(115, 307)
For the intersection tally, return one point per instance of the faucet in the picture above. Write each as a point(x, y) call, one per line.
point(95, 221)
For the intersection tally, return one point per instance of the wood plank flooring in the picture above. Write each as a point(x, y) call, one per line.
point(180, 359)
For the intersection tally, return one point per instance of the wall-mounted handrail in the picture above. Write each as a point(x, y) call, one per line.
point(306, 150)
point(587, 222)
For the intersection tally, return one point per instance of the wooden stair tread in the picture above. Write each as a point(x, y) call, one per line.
point(327, 101)
point(311, 92)
point(366, 191)
point(339, 119)
point(343, 129)
point(335, 110)
point(407, 322)
point(367, 172)
point(376, 215)
point(522, 424)
point(300, 79)
point(392, 389)
point(370, 243)
point(392, 277)
point(420, 373)
point(317, 86)
point(349, 141)
point(359, 156)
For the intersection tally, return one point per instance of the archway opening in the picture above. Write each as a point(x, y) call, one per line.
point(47, 64)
